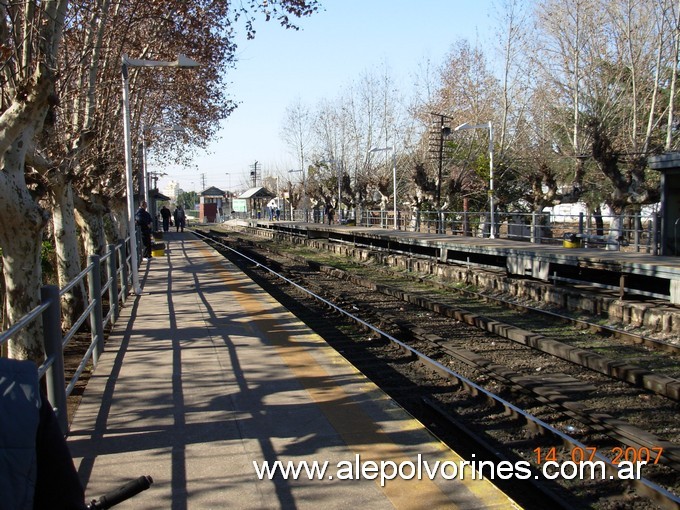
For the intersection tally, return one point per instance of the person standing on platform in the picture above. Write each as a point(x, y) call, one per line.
point(331, 213)
point(180, 219)
point(165, 215)
point(144, 220)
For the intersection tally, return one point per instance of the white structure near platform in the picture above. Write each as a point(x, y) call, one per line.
point(172, 190)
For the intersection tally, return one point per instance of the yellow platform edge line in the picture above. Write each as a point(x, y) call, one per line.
point(375, 445)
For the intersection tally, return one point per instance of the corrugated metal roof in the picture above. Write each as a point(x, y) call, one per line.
point(259, 192)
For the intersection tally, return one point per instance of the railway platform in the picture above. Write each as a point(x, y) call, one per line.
point(642, 272)
point(205, 378)
point(637, 289)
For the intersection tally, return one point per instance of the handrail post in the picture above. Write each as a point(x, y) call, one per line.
point(96, 314)
point(112, 276)
point(124, 269)
point(655, 235)
point(54, 377)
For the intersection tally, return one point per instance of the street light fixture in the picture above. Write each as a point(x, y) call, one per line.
point(394, 176)
point(488, 126)
point(182, 61)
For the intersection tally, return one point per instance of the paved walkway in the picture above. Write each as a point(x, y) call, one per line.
point(205, 373)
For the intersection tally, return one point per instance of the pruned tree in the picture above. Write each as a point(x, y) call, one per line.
point(609, 62)
point(30, 36)
point(60, 116)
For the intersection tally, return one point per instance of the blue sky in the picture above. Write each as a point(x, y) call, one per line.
point(332, 49)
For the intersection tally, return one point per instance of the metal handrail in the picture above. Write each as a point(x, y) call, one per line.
point(116, 285)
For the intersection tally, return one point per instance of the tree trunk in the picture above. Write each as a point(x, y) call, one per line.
point(599, 223)
point(616, 225)
point(68, 256)
point(22, 229)
point(119, 218)
point(90, 219)
point(21, 241)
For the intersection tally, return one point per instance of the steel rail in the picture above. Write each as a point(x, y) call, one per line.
point(656, 492)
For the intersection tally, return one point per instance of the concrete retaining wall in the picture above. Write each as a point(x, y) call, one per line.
point(648, 315)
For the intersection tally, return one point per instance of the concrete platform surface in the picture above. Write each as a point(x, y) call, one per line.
point(205, 375)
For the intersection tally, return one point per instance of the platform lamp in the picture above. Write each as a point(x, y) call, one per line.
point(492, 234)
point(182, 61)
point(394, 176)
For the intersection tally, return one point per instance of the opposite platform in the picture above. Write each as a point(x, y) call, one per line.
point(642, 273)
point(205, 374)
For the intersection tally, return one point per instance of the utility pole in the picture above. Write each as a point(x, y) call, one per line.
point(253, 174)
point(203, 181)
point(437, 135)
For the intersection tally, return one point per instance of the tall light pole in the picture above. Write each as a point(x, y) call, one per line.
point(488, 126)
point(182, 61)
point(394, 177)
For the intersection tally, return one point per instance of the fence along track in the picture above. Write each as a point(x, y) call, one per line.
point(115, 263)
point(655, 492)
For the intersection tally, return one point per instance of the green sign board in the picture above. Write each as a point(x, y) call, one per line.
point(240, 205)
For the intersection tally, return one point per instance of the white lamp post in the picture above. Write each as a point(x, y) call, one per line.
point(277, 191)
point(394, 176)
point(492, 234)
point(182, 61)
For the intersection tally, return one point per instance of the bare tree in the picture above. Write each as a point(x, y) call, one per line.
point(608, 59)
point(60, 115)
point(296, 131)
point(30, 32)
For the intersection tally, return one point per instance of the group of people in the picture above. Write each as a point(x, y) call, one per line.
point(274, 214)
point(145, 221)
point(179, 217)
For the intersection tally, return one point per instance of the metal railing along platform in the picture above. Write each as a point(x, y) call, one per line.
point(634, 232)
point(112, 288)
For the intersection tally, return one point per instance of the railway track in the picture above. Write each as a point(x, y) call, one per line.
point(551, 393)
point(650, 357)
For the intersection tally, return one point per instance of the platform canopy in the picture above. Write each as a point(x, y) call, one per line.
point(156, 195)
point(259, 192)
point(668, 164)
